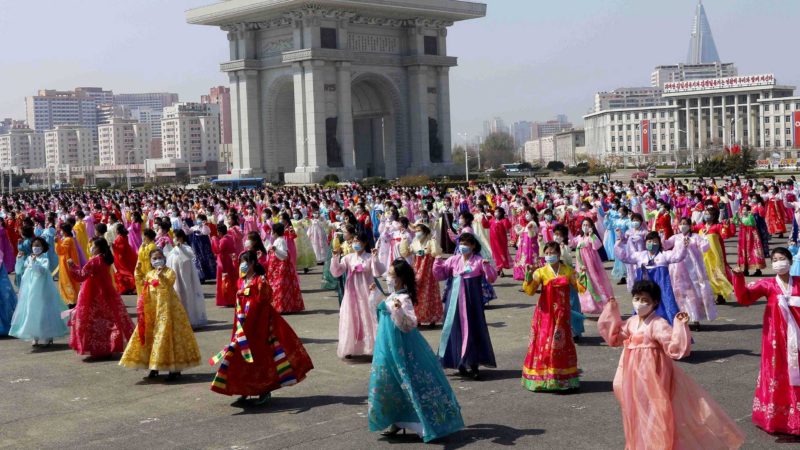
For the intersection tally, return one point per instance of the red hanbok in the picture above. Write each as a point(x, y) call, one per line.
point(265, 354)
point(498, 241)
point(775, 216)
point(429, 308)
point(125, 259)
point(100, 323)
point(663, 224)
point(775, 406)
point(227, 272)
point(750, 251)
point(282, 276)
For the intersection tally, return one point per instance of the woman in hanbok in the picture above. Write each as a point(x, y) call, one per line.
point(527, 244)
point(428, 307)
point(775, 213)
point(8, 250)
point(561, 237)
point(100, 322)
point(8, 298)
point(255, 244)
point(719, 273)
point(66, 249)
point(357, 321)
point(306, 258)
point(407, 386)
point(49, 235)
point(227, 275)
point(552, 361)
point(465, 343)
point(499, 227)
point(341, 242)
point(187, 281)
point(135, 231)
point(163, 238)
point(653, 264)
point(80, 232)
point(264, 353)
point(610, 220)
point(318, 235)
point(750, 251)
point(593, 275)
point(38, 315)
point(282, 276)
point(778, 385)
point(619, 272)
point(662, 407)
point(689, 278)
point(163, 339)
point(124, 262)
point(143, 258)
point(200, 240)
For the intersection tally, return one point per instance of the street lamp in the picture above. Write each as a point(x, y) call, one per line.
point(128, 166)
point(11, 173)
point(691, 149)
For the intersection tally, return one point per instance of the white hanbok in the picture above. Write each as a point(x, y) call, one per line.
point(187, 284)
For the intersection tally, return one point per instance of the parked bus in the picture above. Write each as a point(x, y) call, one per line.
point(239, 183)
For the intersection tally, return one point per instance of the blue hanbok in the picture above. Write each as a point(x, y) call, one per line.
point(205, 261)
point(8, 301)
point(407, 386)
point(38, 313)
point(576, 316)
point(668, 307)
point(49, 235)
point(795, 269)
point(610, 223)
point(619, 270)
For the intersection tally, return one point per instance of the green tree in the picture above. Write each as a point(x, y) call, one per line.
point(497, 149)
point(458, 158)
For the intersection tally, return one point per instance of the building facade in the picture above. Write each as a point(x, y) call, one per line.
point(221, 96)
point(521, 132)
point(21, 147)
point(50, 108)
point(565, 146)
point(630, 97)
point(123, 141)
point(154, 100)
point(320, 88)
point(701, 118)
point(686, 72)
point(550, 127)
point(69, 145)
point(190, 132)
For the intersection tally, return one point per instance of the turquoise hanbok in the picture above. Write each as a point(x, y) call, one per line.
point(38, 313)
point(407, 386)
point(8, 301)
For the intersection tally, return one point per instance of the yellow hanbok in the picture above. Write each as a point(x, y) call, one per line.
point(169, 344)
point(713, 259)
point(81, 237)
point(143, 264)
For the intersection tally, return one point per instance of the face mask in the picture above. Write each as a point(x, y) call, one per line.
point(358, 247)
point(243, 268)
point(636, 225)
point(652, 247)
point(390, 281)
point(37, 250)
point(781, 267)
point(464, 249)
point(497, 215)
point(296, 217)
point(548, 217)
point(706, 218)
point(642, 309)
point(551, 259)
point(685, 228)
point(157, 263)
point(586, 230)
point(559, 239)
point(419, 235)
point(528, 217)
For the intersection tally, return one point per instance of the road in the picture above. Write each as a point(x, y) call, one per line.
point(51, 398)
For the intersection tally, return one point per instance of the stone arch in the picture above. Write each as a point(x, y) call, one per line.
point(281, 139)
point(379, 110)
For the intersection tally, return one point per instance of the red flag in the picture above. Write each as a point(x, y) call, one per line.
point(796, 128)
point(736, 149)
point(645, 127)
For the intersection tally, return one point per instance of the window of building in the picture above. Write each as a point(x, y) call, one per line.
point(636, 116)
point(629, 138)
point(328, 37)
point(663, 147)
point(767, 143)
point(628, 127)
point(663, 114)
point(788, 131)
point(628, 117)
point(788, 143)
point(766, 132)
point(431, 45)
point(766, 107)
point(766, 119)
point(787, 118)
point(629, 149)
point(613, 138)
point(777, 143)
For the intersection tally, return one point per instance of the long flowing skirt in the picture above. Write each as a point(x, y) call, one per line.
point(100, 324)
point(668, 307)
point(407, 386)
point(527, 254)
point(38, 313)
point(478, 347)
point(205, 261)
point(598, 287)
point(8, 302)
point(286, 295)
point(750, 252)
point(717, 268)
point(576, 317)
point(776, 218)
point(429, 301)
point(552, 361)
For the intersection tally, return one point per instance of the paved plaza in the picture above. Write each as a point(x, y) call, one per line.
point(53, 399)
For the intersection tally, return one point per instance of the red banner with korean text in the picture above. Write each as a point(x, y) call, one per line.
point(645, 128)
point(796, 128)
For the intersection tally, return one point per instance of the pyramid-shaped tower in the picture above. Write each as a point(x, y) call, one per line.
point(702, 49)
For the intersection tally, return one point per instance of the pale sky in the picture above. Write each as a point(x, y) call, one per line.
point(527, 60)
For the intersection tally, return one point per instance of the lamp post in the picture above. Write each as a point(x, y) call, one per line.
point(691, 149)
point(11, 173)
point(465, 136)
point(128, 166)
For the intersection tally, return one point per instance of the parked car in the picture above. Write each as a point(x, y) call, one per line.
point(640, 175)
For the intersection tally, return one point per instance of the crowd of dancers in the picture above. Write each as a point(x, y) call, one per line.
point(385, 252)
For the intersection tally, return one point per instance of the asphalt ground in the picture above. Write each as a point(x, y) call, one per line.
point(53, 398)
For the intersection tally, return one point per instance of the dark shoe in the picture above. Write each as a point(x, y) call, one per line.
point(721, 300)
point(263, 398)
point(432, 325)
point(757, 273)
point(576, 339)
point(746, 273)
point(173, 376)
point(348, 356)
point(393, 430)
point(463, 371)
point(475, 373)
point(622, 281)
point(71, 306)
point(694, 326)
point(152, 374)
point(305, 271)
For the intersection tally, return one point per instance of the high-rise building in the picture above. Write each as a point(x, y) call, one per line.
point(50, 108)
point(21, 147)
point(5, 125)
point(702, 49)
point(684, 72)
point(221, 96)
point(190, 132)
point(123, 141)
point(69, 145)
point(551, 127)
point(521, 132)
point(107, 111)
point(145, 114)
point(154, 100)
point(629, 97)
point(100, 96)
point(496, 125)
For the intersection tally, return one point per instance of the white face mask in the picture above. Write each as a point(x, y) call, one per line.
point(642, 309)
point(587, 230)
point(685, 228)
point(781, 267)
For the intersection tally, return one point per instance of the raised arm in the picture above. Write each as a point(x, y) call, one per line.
point(676, 341)
point(338, 266)
point(402, 313)
point(610, 325)
point(442, 269)
point(532, 281)
point(747, 294)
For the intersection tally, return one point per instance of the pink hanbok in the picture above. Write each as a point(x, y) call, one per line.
point(662, 407)
point(598, 286)
point(527, 250)
point(319, 239)
point(134, 235)
point(690, 281)
point(357, 321)
point(249, 224)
